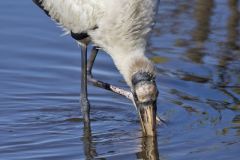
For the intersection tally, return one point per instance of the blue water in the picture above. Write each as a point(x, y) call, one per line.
point(196, 48)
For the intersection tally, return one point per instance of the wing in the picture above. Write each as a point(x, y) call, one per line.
point(77, 16)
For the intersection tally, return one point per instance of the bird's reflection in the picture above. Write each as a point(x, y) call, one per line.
point(149, 146)
point(89, 148)
point(149, 149)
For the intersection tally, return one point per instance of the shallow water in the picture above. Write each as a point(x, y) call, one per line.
point(196, 48)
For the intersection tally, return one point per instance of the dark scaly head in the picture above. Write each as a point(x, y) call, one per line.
point(145, 93)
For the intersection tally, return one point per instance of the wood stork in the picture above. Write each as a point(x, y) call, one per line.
point(120, 28)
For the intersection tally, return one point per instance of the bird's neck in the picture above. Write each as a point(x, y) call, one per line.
point(132, 62)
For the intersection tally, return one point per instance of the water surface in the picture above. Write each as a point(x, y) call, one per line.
point(196, 48)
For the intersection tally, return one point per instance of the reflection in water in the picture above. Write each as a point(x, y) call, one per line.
point(236, 121)
point(149, 149)
point(149, 146)
point(233, 24)
point(203, 13)
point(89, 148)
point(224, 77)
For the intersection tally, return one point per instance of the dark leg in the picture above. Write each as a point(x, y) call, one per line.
point(91, 61)
point(84, 99)
point(101, 84)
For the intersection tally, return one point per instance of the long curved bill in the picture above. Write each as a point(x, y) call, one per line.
point(147, 112)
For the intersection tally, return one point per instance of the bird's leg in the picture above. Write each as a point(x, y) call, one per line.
point(91, 61)
point(101, 84)
point(84, 98)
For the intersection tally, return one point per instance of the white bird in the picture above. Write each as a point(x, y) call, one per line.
point(121, 29)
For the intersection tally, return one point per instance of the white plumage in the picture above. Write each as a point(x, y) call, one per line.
point(122, 27)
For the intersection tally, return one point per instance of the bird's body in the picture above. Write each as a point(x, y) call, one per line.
point(119, 27)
